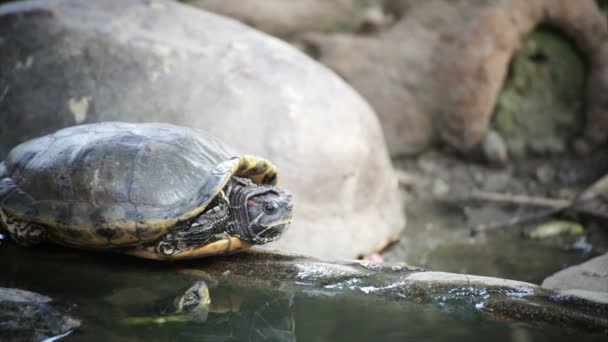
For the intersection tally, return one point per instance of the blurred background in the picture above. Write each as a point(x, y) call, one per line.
point(493, 113)
point(464, 136)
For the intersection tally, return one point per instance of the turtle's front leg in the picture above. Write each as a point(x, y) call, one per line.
point(259, 170)
point(170, 249)
point(204, 235)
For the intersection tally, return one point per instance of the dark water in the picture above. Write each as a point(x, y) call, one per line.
point(104, 290)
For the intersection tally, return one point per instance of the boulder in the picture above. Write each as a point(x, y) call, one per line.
point(476, 61)
point(288, 18)
point(437, 73)
point(393, 70)
point(66, 62)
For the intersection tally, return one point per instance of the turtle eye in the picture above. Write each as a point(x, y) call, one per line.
point(270, 208)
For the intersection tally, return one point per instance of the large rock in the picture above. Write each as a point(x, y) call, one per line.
point(287, 18)
point(476, 62)
point(66, 62)
point(438, 71)
point(394, 71)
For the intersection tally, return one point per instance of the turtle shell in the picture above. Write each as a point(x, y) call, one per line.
point(114, 184)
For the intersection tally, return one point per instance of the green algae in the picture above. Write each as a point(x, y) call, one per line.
point(540, 108)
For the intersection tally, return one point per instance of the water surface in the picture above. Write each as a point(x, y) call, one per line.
point(105, 289)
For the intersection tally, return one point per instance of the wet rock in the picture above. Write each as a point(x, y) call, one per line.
point(591, 276)
point(493, 296)
point(64, 62)
point(29, 316)
point(287, 18)
point(599, 297)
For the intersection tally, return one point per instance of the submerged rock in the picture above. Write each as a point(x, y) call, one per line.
point(29, 316)
point(66, 62)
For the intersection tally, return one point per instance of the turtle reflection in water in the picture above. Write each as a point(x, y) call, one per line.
point(152, 190)
point(192, 305)
point(226, 314)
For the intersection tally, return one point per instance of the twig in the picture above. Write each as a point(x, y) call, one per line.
point(514, 220)
point(555, 203)
point(551, 205)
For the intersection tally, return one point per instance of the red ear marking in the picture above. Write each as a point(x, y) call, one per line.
point(251, 202)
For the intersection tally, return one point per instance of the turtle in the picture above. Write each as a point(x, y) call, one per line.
point(31, 316)
point(152, 190)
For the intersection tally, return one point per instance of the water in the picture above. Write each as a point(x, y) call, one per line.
point(437, 238)
point(105, 289)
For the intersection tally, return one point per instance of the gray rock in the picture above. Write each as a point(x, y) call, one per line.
point(591, 276)
point(594, 199)
point(287, 18)
point(66, 62)
point(393, 70)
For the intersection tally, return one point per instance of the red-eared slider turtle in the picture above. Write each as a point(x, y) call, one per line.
point(152, 190)
point(30, 316)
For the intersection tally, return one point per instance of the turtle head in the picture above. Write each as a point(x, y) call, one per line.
point(269, 214)
point(262, 212)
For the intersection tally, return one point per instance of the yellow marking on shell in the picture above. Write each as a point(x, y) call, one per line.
point(257, 169)
point(89, 239)
point(224, 246)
